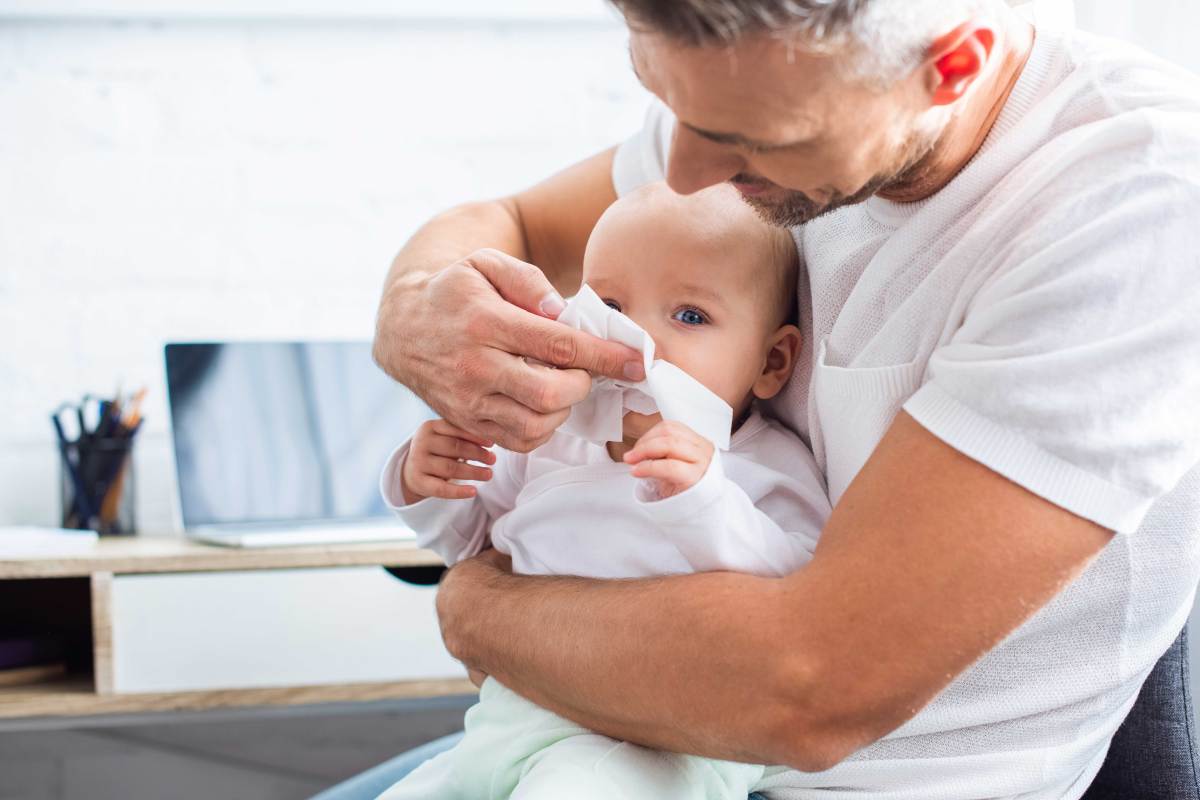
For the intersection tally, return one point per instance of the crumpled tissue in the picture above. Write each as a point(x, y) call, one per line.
point(667, 389)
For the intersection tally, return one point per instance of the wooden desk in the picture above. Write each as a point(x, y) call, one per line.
point(76, 589)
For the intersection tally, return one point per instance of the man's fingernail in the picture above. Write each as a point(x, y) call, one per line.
point(552, 305)
point(635, 370)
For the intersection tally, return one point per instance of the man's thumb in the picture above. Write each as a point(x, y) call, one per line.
point(519, 283)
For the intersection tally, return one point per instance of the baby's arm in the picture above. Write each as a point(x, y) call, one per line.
point(449, 518)
point(715, 522)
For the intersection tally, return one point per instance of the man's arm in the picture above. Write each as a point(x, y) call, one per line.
point(464, 305)
point(929, 560)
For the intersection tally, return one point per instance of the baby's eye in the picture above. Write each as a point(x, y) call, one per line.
point(689, 316)
point(613, 304)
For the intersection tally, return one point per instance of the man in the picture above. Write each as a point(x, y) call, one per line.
point(1001, 363)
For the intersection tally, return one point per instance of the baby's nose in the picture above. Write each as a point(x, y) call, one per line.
point(662, 348)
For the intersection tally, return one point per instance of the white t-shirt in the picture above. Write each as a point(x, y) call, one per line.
point(1041, 314)
point(568, 509)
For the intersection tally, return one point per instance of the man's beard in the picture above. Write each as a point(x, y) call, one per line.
point(797, 208)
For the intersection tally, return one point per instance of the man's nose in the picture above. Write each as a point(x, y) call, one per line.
point(696, 163)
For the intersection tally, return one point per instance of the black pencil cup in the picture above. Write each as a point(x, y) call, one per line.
point(98, 490)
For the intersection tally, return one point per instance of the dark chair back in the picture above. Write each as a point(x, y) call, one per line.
point(1153, 754)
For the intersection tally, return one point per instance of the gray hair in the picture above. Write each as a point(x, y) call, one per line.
point(890, 37)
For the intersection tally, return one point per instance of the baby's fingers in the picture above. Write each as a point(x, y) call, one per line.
point(443, 428)
point(667, 470)
point(450, 469)
point(666, 445)
point(454, 448)
point(431, 486)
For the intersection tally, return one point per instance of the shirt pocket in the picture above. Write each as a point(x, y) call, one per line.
point(853, 408)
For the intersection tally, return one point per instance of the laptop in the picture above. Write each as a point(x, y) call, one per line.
point(282, 443)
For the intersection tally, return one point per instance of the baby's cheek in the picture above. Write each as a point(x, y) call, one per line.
point(717, 362)
point(734, 369)
point(727, 384)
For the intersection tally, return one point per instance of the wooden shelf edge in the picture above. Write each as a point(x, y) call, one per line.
point(159, 555)
point(102, 632)
point(77, 698)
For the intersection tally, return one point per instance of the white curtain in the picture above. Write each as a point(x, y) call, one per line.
point(1167, 28)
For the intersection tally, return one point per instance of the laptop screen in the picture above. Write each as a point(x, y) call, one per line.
point(279, 431)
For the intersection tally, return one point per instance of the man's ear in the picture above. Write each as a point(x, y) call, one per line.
point(782, 350)
point(956, 60)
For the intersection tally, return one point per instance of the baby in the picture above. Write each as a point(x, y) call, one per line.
point(709, 288)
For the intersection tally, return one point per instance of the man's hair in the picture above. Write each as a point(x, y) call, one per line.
point(890, 37)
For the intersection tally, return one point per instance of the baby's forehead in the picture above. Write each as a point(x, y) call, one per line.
point(715, 217)
point(713, 231)
point(653, 240)
point(717, 207)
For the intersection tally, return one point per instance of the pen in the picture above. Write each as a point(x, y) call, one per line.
point(82, 506)
point(133, 415)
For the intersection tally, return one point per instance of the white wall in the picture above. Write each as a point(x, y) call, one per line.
point(248, 179)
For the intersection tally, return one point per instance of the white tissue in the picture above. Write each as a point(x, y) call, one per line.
point(667, 389)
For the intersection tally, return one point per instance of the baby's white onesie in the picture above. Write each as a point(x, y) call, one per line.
point(568, 509)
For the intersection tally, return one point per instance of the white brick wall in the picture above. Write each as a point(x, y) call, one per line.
point(223, 179)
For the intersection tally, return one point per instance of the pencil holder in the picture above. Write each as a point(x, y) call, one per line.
point(98, 487)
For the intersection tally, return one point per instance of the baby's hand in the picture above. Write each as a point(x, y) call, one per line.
point(671, 454)
point(438, 454)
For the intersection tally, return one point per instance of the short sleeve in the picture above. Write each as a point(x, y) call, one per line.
point(642, 158)
point(1076, 369)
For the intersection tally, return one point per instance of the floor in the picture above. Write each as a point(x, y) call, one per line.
point(274, 754)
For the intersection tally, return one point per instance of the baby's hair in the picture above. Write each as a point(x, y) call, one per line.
point(786, 274)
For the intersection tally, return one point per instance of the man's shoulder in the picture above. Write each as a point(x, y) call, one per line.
point(1128, 76)
point(1116, 131)
point(1145, 104)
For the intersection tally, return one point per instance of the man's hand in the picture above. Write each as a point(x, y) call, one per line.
point(672, 455)
point(460, 338)
point(456, 594)
point(439, 454)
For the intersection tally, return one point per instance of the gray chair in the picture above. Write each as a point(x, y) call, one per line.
point(1153, 755)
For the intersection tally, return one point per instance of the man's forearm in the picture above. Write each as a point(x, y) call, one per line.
point(546, 225)
point(455, 234)
point(687, 663)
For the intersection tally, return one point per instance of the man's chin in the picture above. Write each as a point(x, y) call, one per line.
point(784, 209)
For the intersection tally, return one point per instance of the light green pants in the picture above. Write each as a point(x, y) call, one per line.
point(514, 748)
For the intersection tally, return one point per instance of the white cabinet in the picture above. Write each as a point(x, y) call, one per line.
point(198, 631)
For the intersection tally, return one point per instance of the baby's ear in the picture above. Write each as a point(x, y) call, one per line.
point(782, 349)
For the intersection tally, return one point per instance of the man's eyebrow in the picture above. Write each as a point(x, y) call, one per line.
point(740, 140)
